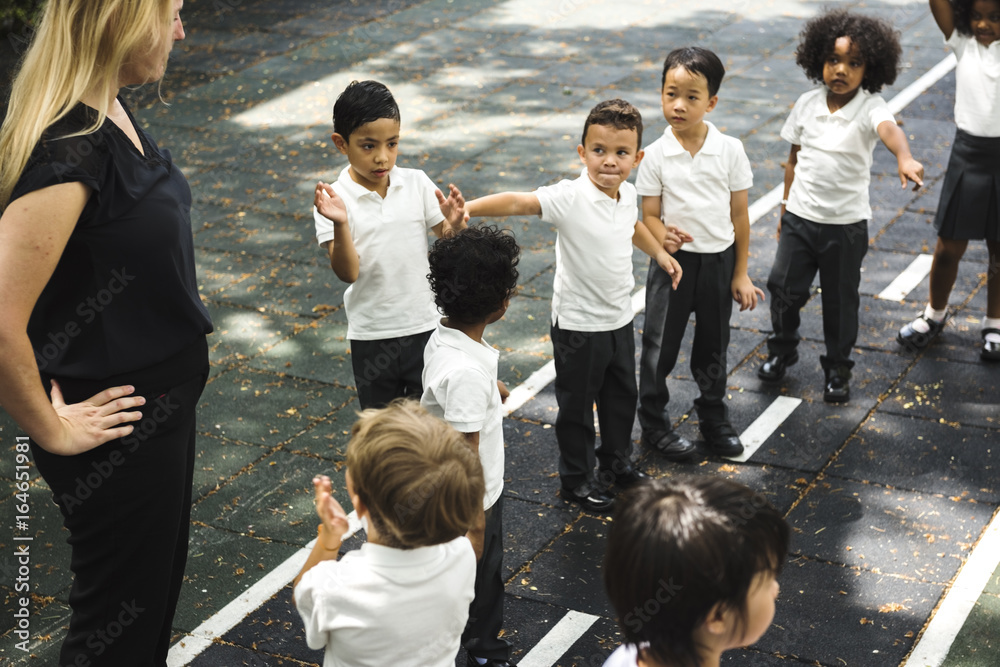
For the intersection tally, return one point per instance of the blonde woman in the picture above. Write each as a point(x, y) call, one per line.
point(101, 327)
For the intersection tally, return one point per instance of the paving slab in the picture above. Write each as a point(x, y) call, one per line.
point(949, 393)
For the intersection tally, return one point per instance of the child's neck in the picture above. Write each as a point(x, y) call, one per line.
point(693, 138)
point(835, 101)
point(473, 331)
point(382, 187)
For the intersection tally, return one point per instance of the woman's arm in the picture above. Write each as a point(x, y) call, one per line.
point(34, 230)
point(944, 15)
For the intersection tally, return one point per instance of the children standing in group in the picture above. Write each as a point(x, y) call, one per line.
point(593, 343)
point(694, 182)
point(403, 597)
point(373, 222)
point(473, 275)
point(707, 552)
point(970, 197)
point(833, 130)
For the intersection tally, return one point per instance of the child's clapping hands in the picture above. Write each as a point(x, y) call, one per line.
point(331, 514)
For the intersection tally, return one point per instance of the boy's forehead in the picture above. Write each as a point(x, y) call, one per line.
point(380, 128)
point(682, 77)
point(611, 135)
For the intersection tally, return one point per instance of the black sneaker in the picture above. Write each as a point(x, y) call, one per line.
point(722, 439)
point(773, 369)
point(838, 387)
point(672, 446)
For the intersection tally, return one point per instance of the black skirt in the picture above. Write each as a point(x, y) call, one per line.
point(970, 197)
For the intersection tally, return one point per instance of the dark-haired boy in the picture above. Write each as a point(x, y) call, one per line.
point(593, 340)
point(694, 184)
point(373, 222)
point(473, 275)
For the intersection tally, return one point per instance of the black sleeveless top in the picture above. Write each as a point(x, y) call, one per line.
point(124, 294)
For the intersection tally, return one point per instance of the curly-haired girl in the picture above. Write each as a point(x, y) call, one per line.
point(833, 130)
point(969, 207)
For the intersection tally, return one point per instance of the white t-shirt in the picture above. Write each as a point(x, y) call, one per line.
point(460, 387)
point(391, 296)
point(977, 85)
point(380, 606)
point(625, 655)
point(833, 170)
point(695, 191)
point(592, 289)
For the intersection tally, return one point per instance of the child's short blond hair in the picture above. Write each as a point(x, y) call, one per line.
point(418, 477)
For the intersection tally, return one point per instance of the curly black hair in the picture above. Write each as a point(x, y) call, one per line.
point(962, 11)
point(473, 272)
point(875, 39)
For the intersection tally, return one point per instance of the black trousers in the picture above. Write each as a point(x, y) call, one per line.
point(388, 368)
point(836, 251)
point(705, 290)
point(127, 506)
point(480, 637)
point(593, 366)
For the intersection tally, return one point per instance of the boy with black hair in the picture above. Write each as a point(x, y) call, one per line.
point(373, 222)
point(592, 336)
point(712, 549)
point(694, 184)
point(473, 274)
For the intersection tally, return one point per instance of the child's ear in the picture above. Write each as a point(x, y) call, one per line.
point(638, 158)
point(340, 142)
point(581, 152)
point(717, 621)
point(712, 102)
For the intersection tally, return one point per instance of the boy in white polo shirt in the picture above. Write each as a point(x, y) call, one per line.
point(473, 275)
point(694, 182)
point(596, 217)
point(379, 245)
point(833, 130)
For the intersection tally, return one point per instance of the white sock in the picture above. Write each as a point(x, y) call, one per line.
point(936, 315)
point(992, 323)
point(481, 661)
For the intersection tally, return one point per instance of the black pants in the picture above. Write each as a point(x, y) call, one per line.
point(593, 366)
point(480, 637)
point(127, 506)
point(389, 368)
point(706, 291)
point(836, 251)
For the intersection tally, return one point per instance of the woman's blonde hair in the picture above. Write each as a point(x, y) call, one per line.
point(418, 477)
point(79, 47)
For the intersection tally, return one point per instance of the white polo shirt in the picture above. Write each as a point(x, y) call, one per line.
point(592, 290)
point(391, 296)
point(977, 85)
point(833, 169)
point(460, 387)
point(695, 191)
point(380, 606)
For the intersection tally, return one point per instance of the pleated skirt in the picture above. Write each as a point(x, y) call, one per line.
point(969, 208)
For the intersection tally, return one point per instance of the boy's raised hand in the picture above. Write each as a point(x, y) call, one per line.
point(329, 204)
point(746, 293)
point(453, 208)
point(912, 170)
point(675, 238)
point(331, 514)
point(670, 265)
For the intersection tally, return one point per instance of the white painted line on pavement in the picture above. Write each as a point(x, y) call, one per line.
point(953, 611)
point(558, 640)
point(185, 650)
point(766, 424)
point(908, 279)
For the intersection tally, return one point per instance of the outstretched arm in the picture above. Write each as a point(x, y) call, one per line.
point(453, 209)
point(646, 242)
point(343, 256)
point(744, 292)
point(895, 140)
point(503, 204)
point(944, 15)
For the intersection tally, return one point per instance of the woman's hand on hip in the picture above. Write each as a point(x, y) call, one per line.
point(99, 419)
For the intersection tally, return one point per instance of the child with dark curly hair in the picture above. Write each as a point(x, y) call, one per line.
point(691, 570)
point(473, 274)
point(833, 130)
point(593, 340)
point(970, 197)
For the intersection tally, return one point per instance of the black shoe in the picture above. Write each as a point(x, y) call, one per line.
point(472, 662)
point(991, 350)
point(626, 478)
point(672, 446)
point(589, 497)
point(913, 340)
point(773, 369)
point(721, 438)
point(838, 388)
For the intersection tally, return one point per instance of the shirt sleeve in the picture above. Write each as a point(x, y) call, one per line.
point(958, 43)
point(324, 227)
point(879, 112)
point(791, 131)
point(314, 604)
point(432, 210)
point(647, 180)
point(79, 159)
point(740, 173)
point(555, 201)
point(464, 396)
